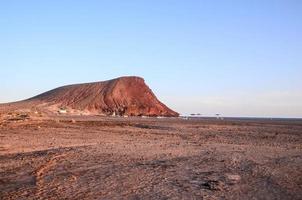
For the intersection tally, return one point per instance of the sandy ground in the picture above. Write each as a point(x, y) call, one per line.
point(134, 158)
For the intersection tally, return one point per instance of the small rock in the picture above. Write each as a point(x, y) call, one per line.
point(213, 185)
point(233, 178)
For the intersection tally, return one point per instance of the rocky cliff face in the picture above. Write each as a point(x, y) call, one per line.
point(121, 96)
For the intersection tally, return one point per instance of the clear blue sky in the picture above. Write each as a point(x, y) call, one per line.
point(237, 58)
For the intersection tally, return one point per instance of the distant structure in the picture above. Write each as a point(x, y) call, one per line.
point(195, 114)
point(218, 116)
point(62, 111)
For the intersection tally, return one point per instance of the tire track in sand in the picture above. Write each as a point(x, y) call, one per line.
point(42, 170)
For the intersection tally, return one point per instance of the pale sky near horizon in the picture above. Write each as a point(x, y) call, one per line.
point(237, 58)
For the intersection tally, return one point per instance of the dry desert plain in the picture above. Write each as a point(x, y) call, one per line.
point(91, 157)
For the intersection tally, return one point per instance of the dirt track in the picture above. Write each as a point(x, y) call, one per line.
point(116, 158)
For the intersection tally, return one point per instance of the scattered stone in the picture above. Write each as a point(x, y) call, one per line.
point(18, 117)
point(213, 185)
point(233, 178)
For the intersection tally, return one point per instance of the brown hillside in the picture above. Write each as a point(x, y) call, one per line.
point(121, 96)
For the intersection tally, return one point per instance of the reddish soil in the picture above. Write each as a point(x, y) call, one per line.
point(77, 157)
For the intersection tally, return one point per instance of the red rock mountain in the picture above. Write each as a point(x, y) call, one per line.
point(121, 96)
